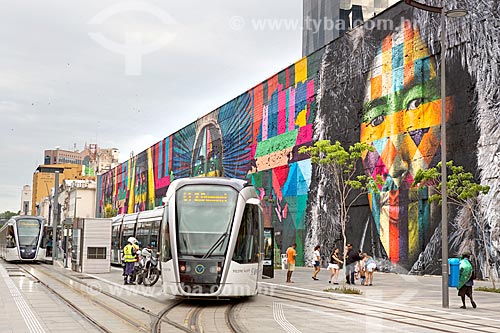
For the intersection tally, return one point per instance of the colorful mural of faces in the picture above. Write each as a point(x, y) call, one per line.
point(401, 120)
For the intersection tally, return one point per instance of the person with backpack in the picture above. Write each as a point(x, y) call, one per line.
point(466, 280)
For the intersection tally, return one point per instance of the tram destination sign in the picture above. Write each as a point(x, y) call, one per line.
point(205, 197)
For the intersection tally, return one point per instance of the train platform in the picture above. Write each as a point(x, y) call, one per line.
point(25, 306)
point(47, 298)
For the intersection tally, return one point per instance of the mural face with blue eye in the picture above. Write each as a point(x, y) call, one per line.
point(402, 121)
point(207, 153)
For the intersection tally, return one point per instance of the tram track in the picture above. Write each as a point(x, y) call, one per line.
point(93, 299)
point(152, 321)
point(193, 314)
point(425, 320)
point(116, 306)
point(377, 311)
point(144, 325)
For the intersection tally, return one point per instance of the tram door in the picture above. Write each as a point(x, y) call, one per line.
point(268, 267)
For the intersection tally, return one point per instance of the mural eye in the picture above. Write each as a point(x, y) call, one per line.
point(377, 120)
point(414, 103)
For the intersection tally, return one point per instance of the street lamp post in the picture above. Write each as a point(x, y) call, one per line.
point(444, 206)
point(68, 253)
point(56, 217)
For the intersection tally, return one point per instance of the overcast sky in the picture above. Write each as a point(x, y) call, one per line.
point(64, 78)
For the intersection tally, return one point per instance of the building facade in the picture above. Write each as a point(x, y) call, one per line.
point(377, 86)
point(25, 200)
point(94, 160)
point(44, 181)
point(326, 20)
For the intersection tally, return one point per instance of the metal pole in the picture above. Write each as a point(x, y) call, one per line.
point(444, 198)
point(55, 206)
point(97, 193)
point(74, 213)
point(67, 252)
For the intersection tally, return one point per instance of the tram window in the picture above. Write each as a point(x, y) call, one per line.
point(128, 231)
point(247, 244)
point(28, 232)
point(143, 232)
point(115, 237)
point(153, 240)
point(11, 240)
point(165, 238)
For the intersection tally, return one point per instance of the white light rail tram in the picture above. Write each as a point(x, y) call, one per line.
point(144, 226)
point(21, 239)
point(211, 238)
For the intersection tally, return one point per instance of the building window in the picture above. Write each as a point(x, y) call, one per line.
point(96, 253)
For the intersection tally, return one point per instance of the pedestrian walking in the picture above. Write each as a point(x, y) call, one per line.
point(334, 266)
point(130, 257)
point(466, 281)
point(362, 268)
point(291, 253)
point(371, 266)
point(317, 262)
point(351, 257)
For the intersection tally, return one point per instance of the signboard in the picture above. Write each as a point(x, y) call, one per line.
point(203, 196)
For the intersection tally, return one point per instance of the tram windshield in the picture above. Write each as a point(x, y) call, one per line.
point(204, 216)
point(28, 232)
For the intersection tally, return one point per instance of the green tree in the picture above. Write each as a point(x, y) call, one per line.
point(342, 164)
point(461, 191)
point(110, 212)
point(8, 214)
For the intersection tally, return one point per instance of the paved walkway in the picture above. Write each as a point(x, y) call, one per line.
point(26, 306)
point(420, 291)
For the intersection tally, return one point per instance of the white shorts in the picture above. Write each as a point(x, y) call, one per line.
point(371, 267)
point(336, 266)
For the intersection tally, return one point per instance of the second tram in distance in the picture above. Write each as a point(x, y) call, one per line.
point(21, 239)
point(211, 238)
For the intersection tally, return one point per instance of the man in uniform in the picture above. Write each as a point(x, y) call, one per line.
point(130, 257)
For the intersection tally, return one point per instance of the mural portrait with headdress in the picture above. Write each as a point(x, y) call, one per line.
point(381, 87)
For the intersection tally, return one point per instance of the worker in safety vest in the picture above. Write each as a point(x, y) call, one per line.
point(130, 257)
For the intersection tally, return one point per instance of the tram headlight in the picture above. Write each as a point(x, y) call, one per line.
point(184, 267)
point(216, 269)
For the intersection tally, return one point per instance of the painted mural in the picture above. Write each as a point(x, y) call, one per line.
point(378, 86)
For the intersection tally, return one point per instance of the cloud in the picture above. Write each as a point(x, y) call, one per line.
point(58, 87)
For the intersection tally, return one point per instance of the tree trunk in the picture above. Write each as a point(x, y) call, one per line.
point(490, 271)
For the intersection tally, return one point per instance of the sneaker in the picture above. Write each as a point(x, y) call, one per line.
point(335, 283)
point(463, 307)
point(474, 305)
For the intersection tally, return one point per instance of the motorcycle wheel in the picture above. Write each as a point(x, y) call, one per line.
point(140, 278)
point(151, 277)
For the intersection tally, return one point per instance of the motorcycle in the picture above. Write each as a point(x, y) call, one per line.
point(150, 271)
point(146, 270)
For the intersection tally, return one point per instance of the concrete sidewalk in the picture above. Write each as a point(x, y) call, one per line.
point(419, 291)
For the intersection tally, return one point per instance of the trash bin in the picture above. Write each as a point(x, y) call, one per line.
point(454, 272)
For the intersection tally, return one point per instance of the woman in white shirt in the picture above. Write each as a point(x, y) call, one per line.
point(316, 262)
